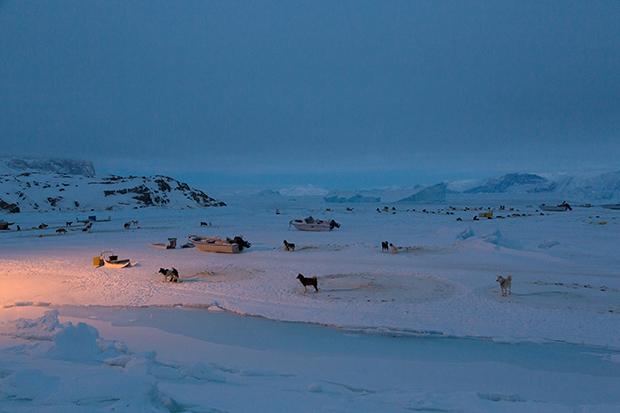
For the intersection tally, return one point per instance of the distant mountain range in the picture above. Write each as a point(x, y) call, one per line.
point(354, 199)
point(601, 187)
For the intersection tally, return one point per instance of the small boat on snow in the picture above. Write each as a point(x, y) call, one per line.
point(115, 262)
point(110, 261)
point(214, 244)
point(311, 224)
point(612, 206)
point(564, 206)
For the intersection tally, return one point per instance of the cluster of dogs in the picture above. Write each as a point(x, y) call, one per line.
point(388, 246)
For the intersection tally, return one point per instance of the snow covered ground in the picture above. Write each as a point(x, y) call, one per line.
point(78, 359)
point(561, 320)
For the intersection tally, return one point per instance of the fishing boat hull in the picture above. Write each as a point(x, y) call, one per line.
point(116, 264)
point(215, 245)
point(315, 227)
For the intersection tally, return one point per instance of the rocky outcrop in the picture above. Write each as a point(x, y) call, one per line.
point(10, 208)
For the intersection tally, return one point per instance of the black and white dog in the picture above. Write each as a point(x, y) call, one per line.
point(289, 246)
point(385, 246)
point(171, 275)
point(306, 281)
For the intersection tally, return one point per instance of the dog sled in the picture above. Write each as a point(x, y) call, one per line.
point(563, 207)
point(315, 225)
point(615, 207)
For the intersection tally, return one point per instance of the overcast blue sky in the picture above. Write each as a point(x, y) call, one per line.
point(321, 90)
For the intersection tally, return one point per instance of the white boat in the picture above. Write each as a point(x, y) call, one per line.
point(310, 224)
point(116, 263)
point(214, 244)
point(110, 261)
point(612, 206)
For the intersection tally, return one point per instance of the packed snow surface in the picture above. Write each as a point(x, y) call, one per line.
point(423, 329)
point(564, 266)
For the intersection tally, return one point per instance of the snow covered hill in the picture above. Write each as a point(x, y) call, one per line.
point(35, 191)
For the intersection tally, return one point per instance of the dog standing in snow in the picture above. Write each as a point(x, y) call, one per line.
point(505, 284)
point(170, 275)
point(289, 246)
point(306, 281)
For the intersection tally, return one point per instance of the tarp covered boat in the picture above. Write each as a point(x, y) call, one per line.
point(214, 244)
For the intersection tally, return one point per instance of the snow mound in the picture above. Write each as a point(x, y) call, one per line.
point(465, 234)
point(76, 342)
point(43, 328)
point(498, 239)
point(73, 342)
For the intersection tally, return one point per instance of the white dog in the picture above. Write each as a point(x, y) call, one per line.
point(505, 284)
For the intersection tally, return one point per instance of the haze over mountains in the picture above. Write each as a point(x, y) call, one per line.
point(40, 184)
point(603, 187)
